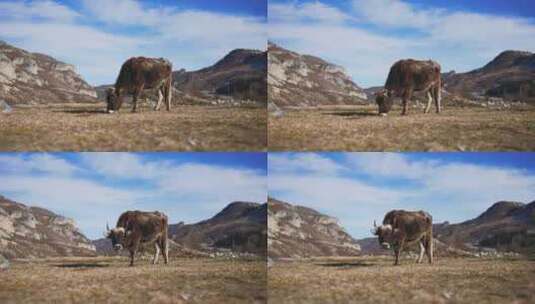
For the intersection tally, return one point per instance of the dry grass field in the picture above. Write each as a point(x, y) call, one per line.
point(376, 280)
point(359, 128)
point(110, 280)
point(83, 127)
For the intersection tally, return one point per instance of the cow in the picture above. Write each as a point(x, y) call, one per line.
point(401, 228)
point(138, 74)
point(406, 77)
point(135, 228)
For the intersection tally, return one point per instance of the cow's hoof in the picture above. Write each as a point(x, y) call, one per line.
point(383, 114)
point(111, 111)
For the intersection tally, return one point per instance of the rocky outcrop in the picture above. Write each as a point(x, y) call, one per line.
point(239, 76)
point(304, 80)
point(29, 232)
point(239, 227)
point(511, 76)
point(33, 78)
point(298, 232)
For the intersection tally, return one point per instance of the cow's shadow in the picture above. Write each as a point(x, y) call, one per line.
point(82, 111)
point(351, 114)
point(345, 264)
point(82, 265)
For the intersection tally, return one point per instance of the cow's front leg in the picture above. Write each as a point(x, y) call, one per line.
point(156, 253)
point(132, 254)
point(437, 96)
point(160, 98)
point(396, 254)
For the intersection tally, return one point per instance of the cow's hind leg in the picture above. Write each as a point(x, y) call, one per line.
point(160, 98)
point(422, 250)
point(156, 253)
point(437, 98)
point(429, 100)
point(137, 92)
point(406, 97)
point(168, 92)
point(165, 249)
point(429, 248)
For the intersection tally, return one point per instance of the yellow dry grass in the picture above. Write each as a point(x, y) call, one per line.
point(376, 280)
point(110, 280)
point(83, 127)
point(359, 128)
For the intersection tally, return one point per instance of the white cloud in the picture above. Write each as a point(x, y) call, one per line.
point(370, 184)
point(316, 11)
point(379, 32)
point(42, 163)
point(308, 162)
point(46, 10)
point(99, 37)
point(97, 187)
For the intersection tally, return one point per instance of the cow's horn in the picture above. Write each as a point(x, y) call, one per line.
point(107, 227)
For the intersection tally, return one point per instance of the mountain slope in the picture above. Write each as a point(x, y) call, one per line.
point(511, 75)
point(303, 80)
point(240, 227)
point(27, 232)
point(241, 74)
point(505, 226)
point(33, 78)
point(295, 231)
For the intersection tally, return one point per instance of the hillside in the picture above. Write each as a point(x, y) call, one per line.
point(239, 227)
point(304, 80)
point(510, 75)
point(30, 232)
point(33, 78)
point(240, 75)
point(505, 226)
point(297, 232)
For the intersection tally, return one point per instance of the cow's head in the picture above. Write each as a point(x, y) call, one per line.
point(112, 100)
point(385, 101)
point(116, 235)
point(384, 234)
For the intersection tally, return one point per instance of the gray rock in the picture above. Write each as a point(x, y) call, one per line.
point(4, 263)
point(4, 107)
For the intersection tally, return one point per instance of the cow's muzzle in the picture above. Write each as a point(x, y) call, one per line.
point(385, 245)
point(118, 247)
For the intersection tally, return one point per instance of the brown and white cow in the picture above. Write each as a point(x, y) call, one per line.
point(136, 228)
point(138, 74)
point(401, 228)
point(406, 77)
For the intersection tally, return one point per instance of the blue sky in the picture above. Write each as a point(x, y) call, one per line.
point(360, 187)
point(93, 188)
point(97, 36)
point(367, 36)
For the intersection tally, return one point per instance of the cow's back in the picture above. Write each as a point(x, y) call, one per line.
point(149, 71)
point(411, 222)
point(415, 74)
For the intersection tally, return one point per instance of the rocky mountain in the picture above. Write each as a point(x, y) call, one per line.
point(511, 75)
point(239, 227)
point(240, 75)
point(297, 232)
point(28, 232)
point(33, 78)
point(505, 226)
point(304, 80)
